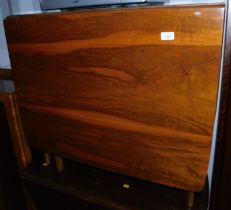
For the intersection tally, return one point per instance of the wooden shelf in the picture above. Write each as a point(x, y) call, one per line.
point(106, 189)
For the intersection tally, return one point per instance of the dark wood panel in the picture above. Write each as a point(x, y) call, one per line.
point(5, 74)
point(221, 185)
point(46, 199)
point(104, 89)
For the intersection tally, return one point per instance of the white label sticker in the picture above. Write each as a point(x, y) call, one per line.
point(167, 35)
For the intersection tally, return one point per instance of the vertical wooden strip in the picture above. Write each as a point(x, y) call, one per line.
point(11, 191)
point(22, 150)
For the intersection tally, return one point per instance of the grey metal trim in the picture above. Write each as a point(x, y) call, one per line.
point(59, 4)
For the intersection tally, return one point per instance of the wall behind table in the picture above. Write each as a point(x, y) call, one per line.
point(4, 56)
point(12, 7)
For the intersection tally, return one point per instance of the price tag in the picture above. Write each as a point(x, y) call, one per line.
point(167, 35)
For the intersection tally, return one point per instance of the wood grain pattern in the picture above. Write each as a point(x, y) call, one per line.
point(101, 87)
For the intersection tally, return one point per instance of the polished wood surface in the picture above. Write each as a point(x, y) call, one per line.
point(102, 88)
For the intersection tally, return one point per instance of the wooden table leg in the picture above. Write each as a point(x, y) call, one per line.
point(59, 163)
point(191, 196)
point(47, 159)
